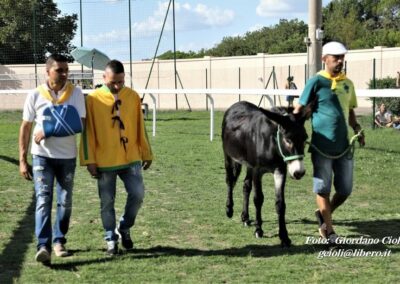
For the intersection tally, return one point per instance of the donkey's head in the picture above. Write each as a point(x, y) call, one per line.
point(290, 138)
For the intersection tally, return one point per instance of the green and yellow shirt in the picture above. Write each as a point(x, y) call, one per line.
point(115, 136)
point(334, 98)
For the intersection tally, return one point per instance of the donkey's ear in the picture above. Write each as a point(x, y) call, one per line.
point(283, 120)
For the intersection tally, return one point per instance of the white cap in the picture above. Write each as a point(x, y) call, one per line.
point(333, 48)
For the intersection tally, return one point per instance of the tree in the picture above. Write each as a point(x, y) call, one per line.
point(285, 37)
point(363, 23)
point(33, 28)
point(358, 24)
point(179, 55)
point(341, 22)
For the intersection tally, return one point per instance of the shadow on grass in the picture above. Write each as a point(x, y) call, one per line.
point(370, 229)
point(377, 229)
point(259, 251)
point(374, 229)
point(167, 251)
point(15, 162)
point(13, 255)
point(10, 160)
point(382, 150)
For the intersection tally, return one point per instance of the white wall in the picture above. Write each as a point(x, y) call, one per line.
point(220, 72)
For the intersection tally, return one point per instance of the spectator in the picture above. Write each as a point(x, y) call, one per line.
point(383, 117)
point(290, 85)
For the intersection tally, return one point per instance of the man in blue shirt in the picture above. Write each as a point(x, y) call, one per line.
point(334, 102)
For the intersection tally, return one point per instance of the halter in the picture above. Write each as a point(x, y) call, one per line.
point(285, 158)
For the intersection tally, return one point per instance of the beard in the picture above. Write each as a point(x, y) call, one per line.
point(338, 68)
point(60, 81)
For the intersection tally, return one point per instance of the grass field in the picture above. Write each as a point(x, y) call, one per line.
point(182, 233)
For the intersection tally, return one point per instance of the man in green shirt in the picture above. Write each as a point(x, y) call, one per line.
point(334, 102)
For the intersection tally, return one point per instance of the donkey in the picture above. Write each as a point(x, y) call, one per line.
point(264, 141)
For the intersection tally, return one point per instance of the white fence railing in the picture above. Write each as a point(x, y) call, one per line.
point(267, 93)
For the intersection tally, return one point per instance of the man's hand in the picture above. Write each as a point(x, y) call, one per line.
point(146, 164)
point(361, 139)
point(39, 136)
point(361, 136)
point(25, 170)
point(92, 169)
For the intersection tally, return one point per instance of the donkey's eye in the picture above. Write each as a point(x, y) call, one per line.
point(288, 143)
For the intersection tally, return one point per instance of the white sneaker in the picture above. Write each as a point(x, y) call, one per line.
point(112, 248)
point(43, 255)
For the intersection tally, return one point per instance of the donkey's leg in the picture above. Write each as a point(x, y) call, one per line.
point(246, 196)
point(258, 202)
point(280, 206)
point(232, 172)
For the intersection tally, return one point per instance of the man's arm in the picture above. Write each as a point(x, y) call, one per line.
point(23, 141)
point(298, 108)
point(356, 126)
point(389, 118)
point(377, 122)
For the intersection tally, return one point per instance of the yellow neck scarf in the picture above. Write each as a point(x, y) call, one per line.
point(68, 90)
point(334, 80)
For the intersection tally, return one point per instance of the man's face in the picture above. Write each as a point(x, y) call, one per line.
point(382, 108)
point(115, 82)
point(58, 73)
point(334, 63)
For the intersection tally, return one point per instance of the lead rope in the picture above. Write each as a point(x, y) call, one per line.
point(285, 158)
point(350, 148)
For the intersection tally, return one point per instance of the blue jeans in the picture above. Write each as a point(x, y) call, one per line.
point(133, 181)
point(341, 169)
point(44, 171)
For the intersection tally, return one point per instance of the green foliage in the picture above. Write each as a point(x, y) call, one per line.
point(180, 54)
point(392, 104)
point(29, 27)
point(364, 23)
point(182, 235)
point(341, 22)
point(285, 37)
point(358, 24)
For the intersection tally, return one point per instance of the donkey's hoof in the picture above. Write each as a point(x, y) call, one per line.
point(229, 212)
point(259, 233)
point(246, 223)
point(286, 243)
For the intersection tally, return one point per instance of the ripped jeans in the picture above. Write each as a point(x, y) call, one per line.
point(44, 171)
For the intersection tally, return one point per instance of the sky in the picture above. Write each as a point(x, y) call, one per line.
point(199, 23)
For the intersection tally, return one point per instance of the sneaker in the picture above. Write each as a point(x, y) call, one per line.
point(60, 250)
point(321, 224)
point(125, 239)
point(112, 248)
point(43, 255)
